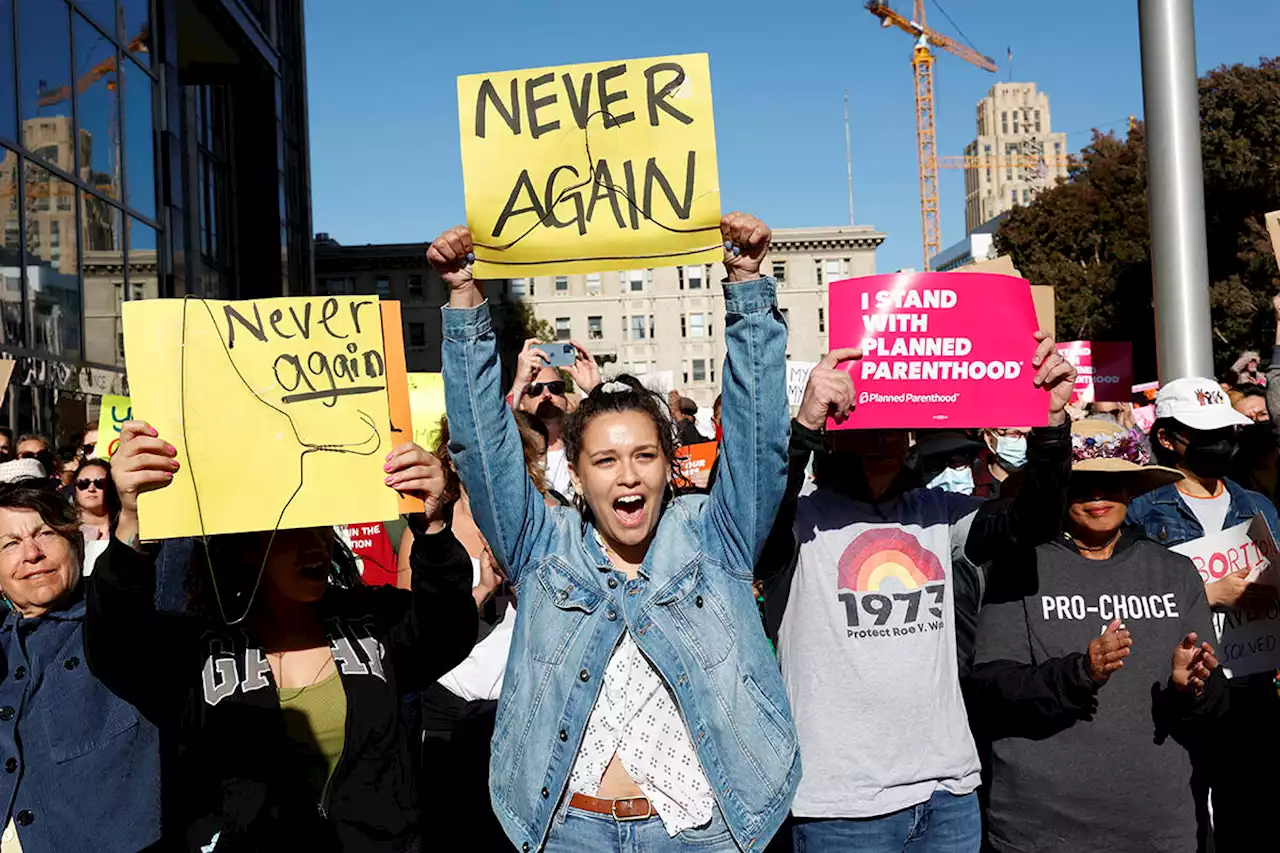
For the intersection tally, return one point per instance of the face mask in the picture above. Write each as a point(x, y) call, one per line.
point(1211, 461)
point(1105, 416)
point(957, 480)
point(1011, 451)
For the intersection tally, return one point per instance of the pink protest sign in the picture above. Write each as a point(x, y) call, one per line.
point(939, 349)
point(1104, 371)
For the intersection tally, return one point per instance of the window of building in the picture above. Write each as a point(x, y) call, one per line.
point(1057, 148)
point(593, 282)
point(822, 320)
point(562, 329)
point(595, 328)
point(382, 286)
point(519, 286)
point(637, 328)
point(415, 285)
point(1010, 153)
point(834, 269)
point(1015, 121)
point(697, 326)
point(1004, 121)
point(417, 334)
point(817, 270)
point(694, 276)
point(562, 284)
point(1025, 196)
point(699, 370)
point(1037, 121)
point(639, 368)
point(634, 280)
point(780, 272)
point(1013, 196)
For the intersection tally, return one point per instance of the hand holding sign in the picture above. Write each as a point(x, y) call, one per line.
point(142, 462)
point(1106, 653)
point(1237, 590)
point(413, 471)
point(746, 242)
point(829, 392)
point(1056, 375)
point(1192, 665)
point(451, 255)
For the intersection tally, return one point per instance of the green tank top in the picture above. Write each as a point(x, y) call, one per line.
point(316, 719)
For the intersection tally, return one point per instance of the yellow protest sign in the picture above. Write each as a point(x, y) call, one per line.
point(585, 168)
point(426, 402)
point(112, 415)
point(277, 407)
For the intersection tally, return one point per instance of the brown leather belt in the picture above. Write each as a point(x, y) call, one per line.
point(628, 808)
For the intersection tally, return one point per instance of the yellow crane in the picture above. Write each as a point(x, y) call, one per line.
point(926, 138)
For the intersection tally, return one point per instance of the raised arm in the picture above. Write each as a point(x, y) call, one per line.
point(753, 452)
point(484, 441)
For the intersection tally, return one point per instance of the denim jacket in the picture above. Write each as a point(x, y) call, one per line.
point(691, 610)
point(1166, 518)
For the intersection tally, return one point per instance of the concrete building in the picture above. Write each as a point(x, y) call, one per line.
point(668, 323)
point(977, 245)
point(1013, 129)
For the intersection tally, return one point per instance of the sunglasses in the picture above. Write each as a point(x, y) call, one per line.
point(99, 484)
point(88, 449)
point(555, 388)
point(27, 454)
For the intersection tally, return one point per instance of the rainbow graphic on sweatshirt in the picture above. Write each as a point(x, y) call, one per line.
point(877, 555)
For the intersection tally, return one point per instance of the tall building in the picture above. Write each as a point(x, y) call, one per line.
point(665, 324)
point(147, 148)
point(668, 324)
point(1015, 133)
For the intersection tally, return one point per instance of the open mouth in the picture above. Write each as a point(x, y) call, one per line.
point(314, 572)
point(629, 509)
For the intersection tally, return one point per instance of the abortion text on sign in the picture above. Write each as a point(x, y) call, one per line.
point(939, 349)
point(1246, 643)
point(585, 168)
point(277, 407)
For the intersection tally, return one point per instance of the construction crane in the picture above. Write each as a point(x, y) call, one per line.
point(926, 138)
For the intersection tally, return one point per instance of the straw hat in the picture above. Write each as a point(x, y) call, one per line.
point(1101, 447)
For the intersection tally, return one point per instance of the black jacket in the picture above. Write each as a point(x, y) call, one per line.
point(229, 769)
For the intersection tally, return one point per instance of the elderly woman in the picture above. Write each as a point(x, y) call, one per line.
point(1091, 675)
point(81, 765)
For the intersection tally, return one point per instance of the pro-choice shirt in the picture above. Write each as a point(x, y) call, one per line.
point(868, 652)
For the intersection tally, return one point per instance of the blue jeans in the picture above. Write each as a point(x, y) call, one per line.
point(944, 824)
point(587, 832)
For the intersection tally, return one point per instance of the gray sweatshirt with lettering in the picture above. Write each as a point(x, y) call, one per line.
point(1074, 766)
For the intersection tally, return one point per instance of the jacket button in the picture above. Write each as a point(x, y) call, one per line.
point(698, 601)
point(24, 818)
point(10, 765)
point(20, 673)
point(71, 662)
point(6, 713)
point(564, 736)
point(545, 793)
point(612, 615)
point(613, 583)
point(525, 847)
point(584, 676)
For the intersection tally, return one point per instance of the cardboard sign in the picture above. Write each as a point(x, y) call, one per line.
point(112, 416)
point(1273, 228)
point(797, 377)
point(6, 373)
point(697, 457)
point(426, 399)
point(398, 388)
point(946, 349)
point(1144, 417)
point(1104, 371)
point(585, 168)
point(277, 408)
point(1246, 644)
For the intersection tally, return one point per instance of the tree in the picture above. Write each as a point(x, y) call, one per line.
point(514, 323)
point(1088, 236)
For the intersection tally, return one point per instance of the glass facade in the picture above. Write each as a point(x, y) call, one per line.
point(148, 148)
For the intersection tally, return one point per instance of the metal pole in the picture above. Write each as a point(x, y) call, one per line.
point(1175, 189)
point(848, 154)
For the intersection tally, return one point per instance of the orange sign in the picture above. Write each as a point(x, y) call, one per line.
point(397, 377)
point(696, 457)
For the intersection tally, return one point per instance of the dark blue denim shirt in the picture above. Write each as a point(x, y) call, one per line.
point(1167, 519)
point(79, 768)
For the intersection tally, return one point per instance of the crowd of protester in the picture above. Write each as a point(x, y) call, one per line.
point(827, 640)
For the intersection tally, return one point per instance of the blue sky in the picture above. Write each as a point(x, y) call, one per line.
point(384, 120)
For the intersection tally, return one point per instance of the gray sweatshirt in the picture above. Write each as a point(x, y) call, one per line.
point(1075, 766)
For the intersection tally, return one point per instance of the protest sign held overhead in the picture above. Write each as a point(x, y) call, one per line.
point(1247, 643)
point(1104, 371)
point(398, 388)
point(277, 408)
point(939, 349)
point(592, 167)
point(112, 416)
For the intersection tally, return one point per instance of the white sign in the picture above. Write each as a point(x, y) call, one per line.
point(797, 377)
point(1246, 643)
